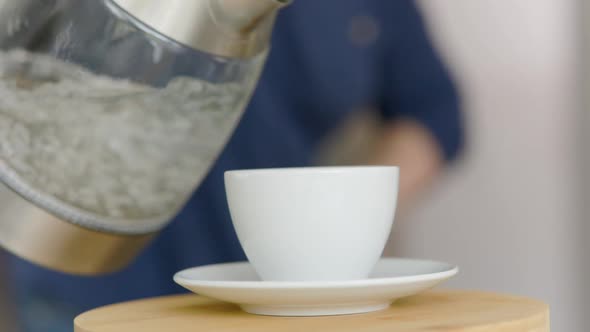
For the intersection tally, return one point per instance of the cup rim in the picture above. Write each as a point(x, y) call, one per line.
point(312, 169)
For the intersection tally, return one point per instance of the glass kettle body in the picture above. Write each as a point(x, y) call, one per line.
point(111, 113)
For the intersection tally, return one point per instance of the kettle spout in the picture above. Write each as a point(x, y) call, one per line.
point(246, 16)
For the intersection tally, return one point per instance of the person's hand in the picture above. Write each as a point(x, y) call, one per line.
point(407, 144)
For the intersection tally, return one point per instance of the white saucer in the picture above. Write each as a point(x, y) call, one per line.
point(238, 283)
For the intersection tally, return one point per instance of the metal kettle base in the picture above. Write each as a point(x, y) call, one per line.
point(37, 236)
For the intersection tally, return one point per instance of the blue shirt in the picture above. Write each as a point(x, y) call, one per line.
point(328, 59)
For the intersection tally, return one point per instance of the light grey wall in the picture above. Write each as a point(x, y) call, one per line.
point(509, 213)
point(584, 148)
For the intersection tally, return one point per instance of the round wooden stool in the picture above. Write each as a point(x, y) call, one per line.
point(446, 311)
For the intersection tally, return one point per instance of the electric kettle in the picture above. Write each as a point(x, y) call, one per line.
point(111, 113)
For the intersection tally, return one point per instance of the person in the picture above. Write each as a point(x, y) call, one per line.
point(328, 59)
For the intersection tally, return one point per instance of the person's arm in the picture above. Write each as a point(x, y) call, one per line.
point(421, 109)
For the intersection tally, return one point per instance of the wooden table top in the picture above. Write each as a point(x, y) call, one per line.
point(440, 311)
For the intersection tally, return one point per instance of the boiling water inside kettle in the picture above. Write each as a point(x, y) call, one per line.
point(103, 152)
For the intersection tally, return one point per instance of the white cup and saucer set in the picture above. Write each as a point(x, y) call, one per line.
point(314, 237)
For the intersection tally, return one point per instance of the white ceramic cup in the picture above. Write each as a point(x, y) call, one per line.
point(314, 223)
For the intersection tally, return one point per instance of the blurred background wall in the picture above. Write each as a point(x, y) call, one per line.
point(509, 213)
